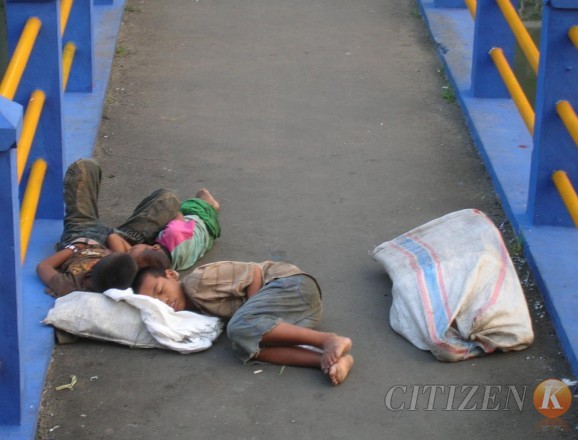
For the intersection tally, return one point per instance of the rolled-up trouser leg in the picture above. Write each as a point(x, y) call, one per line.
point(81, 189)
point(150, 216)
point(294, 300)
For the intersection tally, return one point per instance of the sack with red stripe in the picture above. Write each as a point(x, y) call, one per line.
point(455, 289)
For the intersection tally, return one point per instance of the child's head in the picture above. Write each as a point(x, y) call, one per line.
point(162, 284)
point(115, 271)
point(146, 255)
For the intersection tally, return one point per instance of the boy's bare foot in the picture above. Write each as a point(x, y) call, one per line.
point(333, 349)
point(205, 195)
point(339, 370)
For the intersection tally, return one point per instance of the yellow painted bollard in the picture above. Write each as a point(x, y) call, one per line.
point(514, 88)
point(20, 57)
point(567, 193)
point(30, 204)
point(29, 125)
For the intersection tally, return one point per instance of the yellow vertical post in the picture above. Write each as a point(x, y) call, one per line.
point(472, 5)
point(65, 7)
point(567, 193)
point(573, 35)
point(569, 118)
point(67, 58)
point(29, 125)
point(514, 88)
point(19, 59)
point(30, 203)
point(521, 33)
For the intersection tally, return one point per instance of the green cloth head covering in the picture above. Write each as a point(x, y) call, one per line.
point(206, 212)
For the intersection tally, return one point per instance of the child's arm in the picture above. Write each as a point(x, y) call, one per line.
point(48, 267)
point(117, 244)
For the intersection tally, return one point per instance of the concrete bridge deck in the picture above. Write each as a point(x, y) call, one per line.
point(322, 128)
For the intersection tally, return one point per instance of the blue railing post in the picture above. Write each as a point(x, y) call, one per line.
point(11, 379)
point(80, 32)
point(44, 72)
point(554, 149)
point(491, 30)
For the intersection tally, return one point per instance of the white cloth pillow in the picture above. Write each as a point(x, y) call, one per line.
point(134, 320)
point(93, 315)
point(185, 331)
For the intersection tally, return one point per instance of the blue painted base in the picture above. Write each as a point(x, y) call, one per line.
point(37, 339)
point(82, 115)
point(506, 148)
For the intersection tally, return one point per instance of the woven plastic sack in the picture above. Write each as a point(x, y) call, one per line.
point(184, 331)
point(136, 320)
point(93, 315)
point(455, 289)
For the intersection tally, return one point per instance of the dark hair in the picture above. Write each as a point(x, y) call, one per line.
point(156, 272)
point(115, 271)
point(152, 258)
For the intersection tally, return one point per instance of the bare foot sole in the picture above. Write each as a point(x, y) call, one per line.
point(336, 347)
point(340, 369)
point(205, 195)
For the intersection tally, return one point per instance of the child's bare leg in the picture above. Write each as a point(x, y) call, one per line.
point(295, 356)
point(205, 195)
point(302, 357)
point(333, 345)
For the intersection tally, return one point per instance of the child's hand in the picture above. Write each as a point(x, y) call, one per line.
point(117, 244)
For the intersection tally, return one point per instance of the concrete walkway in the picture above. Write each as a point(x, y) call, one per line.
point(322, 128)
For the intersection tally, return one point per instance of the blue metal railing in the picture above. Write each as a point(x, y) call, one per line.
point(534, 168)
point(553, 146)
point(61, 58)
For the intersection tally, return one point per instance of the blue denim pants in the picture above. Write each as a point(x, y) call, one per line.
point(295, 300)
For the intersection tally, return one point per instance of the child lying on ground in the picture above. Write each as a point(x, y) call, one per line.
point(272, 307)
point(86, 240)
point(188, 236)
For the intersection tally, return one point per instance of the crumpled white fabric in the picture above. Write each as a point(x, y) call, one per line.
point(185, 331)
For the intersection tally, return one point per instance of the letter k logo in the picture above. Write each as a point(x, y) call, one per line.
point(552, 398)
